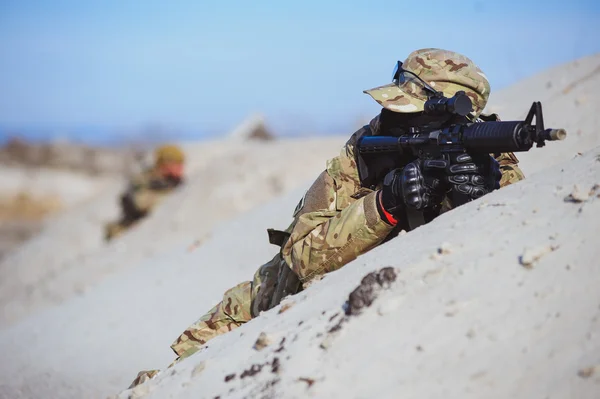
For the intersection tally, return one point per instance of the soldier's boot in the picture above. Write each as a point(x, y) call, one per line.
point(142, 377)
point(112, 230)
point(239, 305)
point(233, 311)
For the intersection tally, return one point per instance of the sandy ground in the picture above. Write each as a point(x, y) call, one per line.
point(80, 318)
point(68, 186)
point(226, 178)
point(28, 195)
point(128, 322)
point(514, 312)
point(570, 95)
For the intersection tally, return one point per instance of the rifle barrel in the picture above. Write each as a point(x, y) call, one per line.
point(555, 134)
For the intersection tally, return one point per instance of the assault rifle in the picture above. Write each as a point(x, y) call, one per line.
point(431, 141)
point(472, 136)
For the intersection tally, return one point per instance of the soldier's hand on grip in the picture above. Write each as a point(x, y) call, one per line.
point(471, 177)
point(416, 186)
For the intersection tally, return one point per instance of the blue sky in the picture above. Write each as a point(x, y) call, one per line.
point(201, 67)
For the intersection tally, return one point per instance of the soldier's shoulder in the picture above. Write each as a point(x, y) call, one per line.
point(511, 174)
point(343, 166)
point(506, 159)
point(366, 130)
point(493, 117)
point(145, 179)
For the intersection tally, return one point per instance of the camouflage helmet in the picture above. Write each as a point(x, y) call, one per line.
point(444, 70)
point(168, 153)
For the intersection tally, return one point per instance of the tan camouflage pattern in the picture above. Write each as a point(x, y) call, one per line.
point(143, 376)
point(144, 198)
point(115, 229)
point(511, 173)
point(230, 313)
point(168, 153)
point(445, 71)
point(233, 311)
point(338, 222)
point(323, 240)
point(326, 239)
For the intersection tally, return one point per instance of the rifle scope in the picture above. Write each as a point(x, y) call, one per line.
point(459, 104)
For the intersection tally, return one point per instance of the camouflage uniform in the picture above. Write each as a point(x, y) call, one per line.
point(338, 220)
point(145, 191)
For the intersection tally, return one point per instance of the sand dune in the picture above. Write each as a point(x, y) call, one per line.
point(513, 313)
point(570, 95)
point(79, 318)
point(226, 178)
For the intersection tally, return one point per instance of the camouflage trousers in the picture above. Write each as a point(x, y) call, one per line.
point(233, 311)
point(115, 229)
point(271, 283)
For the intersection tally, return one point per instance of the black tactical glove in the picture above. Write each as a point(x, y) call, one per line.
point(416, 186)
point(422, 184)
point(473, 177)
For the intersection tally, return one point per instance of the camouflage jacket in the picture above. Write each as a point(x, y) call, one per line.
point(144, 192)
point(337, 220)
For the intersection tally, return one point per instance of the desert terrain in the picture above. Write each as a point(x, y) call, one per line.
point(495, 299)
